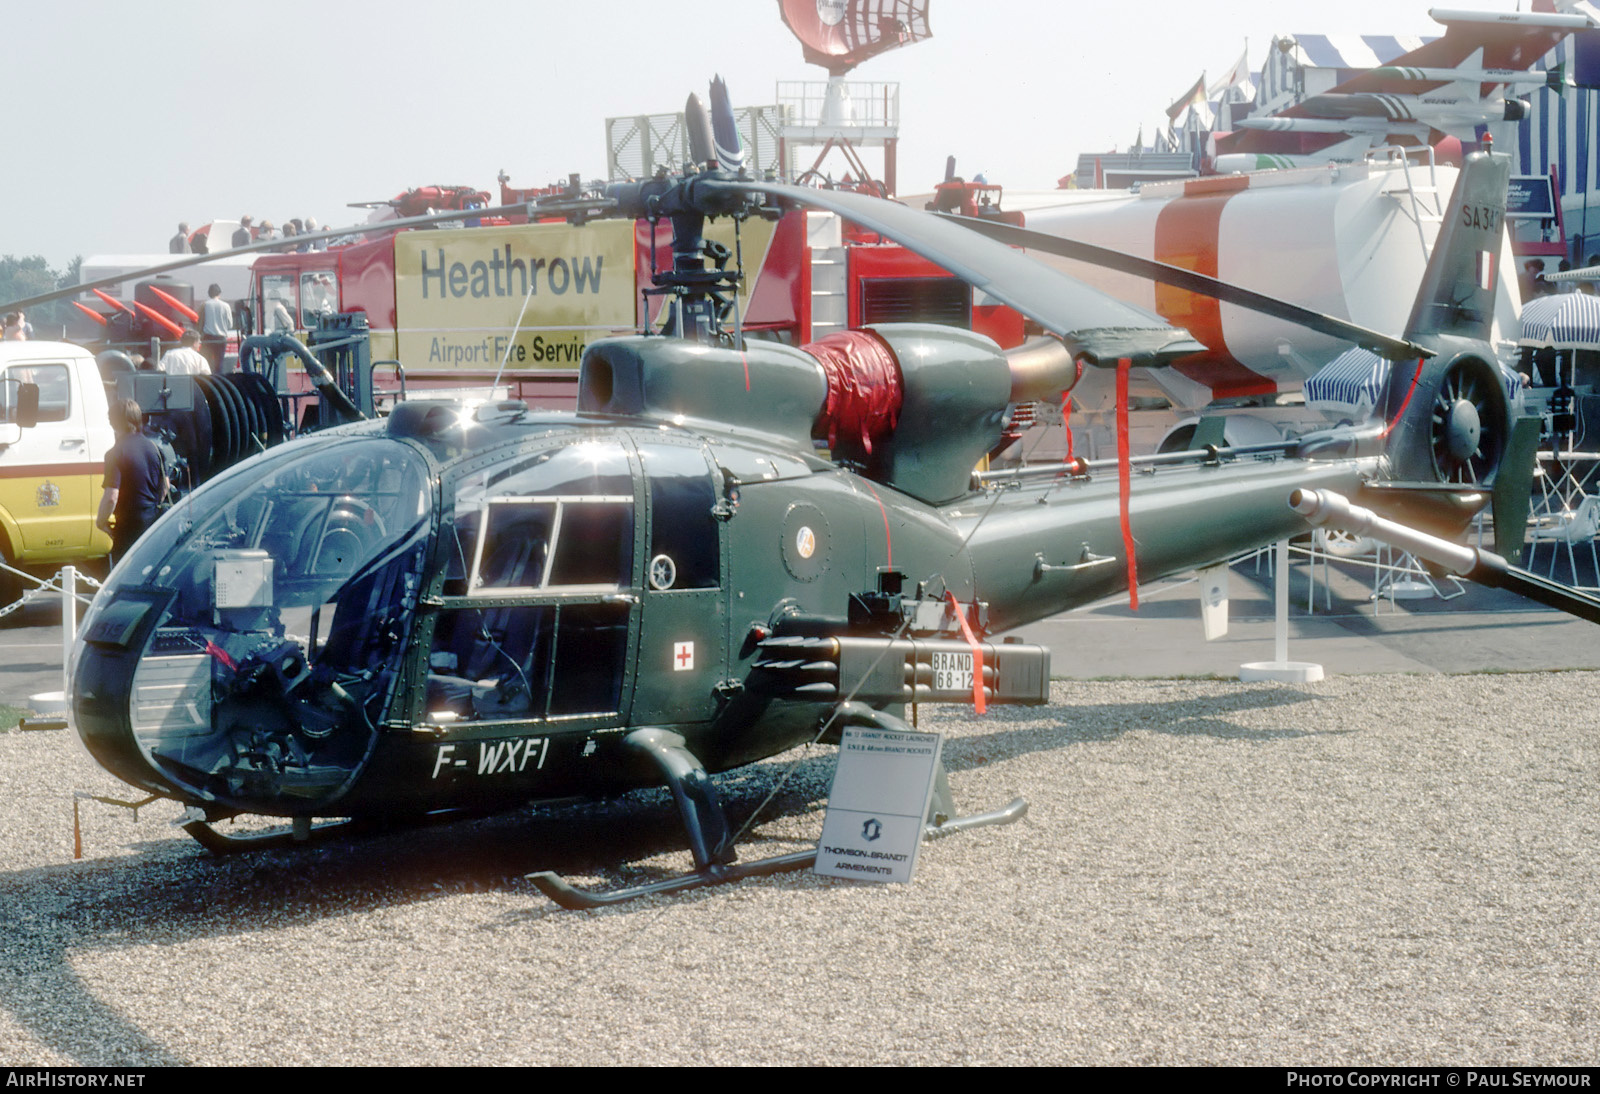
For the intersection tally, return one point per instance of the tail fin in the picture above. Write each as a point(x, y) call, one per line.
point(1450, 417)
point(1458, 290)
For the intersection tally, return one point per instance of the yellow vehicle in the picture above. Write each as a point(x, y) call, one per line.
point(51, 471)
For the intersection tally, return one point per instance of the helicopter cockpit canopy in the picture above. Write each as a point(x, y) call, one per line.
point(264, 621)
point(254, 645)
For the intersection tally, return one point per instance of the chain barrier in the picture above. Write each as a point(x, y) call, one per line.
point(43, 586)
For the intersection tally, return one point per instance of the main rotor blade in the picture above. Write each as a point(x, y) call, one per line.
point(1091, 323)
point(1395, 349)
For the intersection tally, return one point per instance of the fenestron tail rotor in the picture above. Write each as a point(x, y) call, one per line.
point(1466, 440)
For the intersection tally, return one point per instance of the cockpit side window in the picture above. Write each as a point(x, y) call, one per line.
point(532, 628)
point(517, 546)
point(589, 539)
point(587, 468)
point(596, 543)
point(684, 546)
point(562, 519)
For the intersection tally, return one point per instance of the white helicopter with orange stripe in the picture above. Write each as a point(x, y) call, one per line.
point(1347, 240)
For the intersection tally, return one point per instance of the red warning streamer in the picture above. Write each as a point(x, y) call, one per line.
point(220, 654)
point(1066, 422)
point(977, 652)
point(1124, 486)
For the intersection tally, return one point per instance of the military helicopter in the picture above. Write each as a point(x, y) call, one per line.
point(466, 607)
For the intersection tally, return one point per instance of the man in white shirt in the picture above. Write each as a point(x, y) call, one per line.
point(216, 324)
point(184, 359)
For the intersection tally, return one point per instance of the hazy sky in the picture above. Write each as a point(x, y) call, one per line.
point(126, 118)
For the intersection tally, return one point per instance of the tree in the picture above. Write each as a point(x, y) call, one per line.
point(21, 278)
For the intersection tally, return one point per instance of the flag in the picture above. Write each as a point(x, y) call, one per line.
point(1196, 94)
point(1235, 86)
point(1485, 270)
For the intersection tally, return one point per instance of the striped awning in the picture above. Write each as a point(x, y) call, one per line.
point(1561, 321)
point(1538, 314)
point(1577, 322)
point(1349, 385)
point(1355, 51)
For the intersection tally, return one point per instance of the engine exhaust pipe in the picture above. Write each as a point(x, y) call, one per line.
point(1326, 508)
point(1041, 369)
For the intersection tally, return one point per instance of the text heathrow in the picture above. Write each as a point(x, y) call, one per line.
point(483, 279)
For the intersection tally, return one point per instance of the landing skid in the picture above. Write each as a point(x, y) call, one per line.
point(570, 896)
point(710, 838)
point(298, 835)
point(303, 830)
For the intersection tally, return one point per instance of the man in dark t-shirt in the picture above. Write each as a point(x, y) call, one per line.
point(135, 483)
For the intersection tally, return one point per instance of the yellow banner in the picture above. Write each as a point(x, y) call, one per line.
point(458, 294)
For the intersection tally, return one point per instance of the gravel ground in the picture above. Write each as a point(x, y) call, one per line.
point(1368, 870)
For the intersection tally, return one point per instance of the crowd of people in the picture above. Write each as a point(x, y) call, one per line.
point(1535, 283)
point(248, 232)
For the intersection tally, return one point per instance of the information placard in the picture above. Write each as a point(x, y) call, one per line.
point(878, 804)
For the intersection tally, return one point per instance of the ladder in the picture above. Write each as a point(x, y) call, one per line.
point(830, 308)
point(1420, 192)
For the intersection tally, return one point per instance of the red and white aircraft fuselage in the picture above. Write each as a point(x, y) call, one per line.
point(1348, 240)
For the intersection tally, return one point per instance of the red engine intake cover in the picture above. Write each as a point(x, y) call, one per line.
point(864, 388)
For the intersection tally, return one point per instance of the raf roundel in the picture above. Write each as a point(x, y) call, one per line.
point(804, 541)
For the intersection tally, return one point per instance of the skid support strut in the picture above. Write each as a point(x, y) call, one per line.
point(710, 836)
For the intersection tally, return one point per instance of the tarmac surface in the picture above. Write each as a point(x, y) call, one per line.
point(1347, 631)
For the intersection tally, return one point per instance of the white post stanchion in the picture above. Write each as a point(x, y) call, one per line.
point(1294, 672)
point(52, 705)
point(69, 623)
